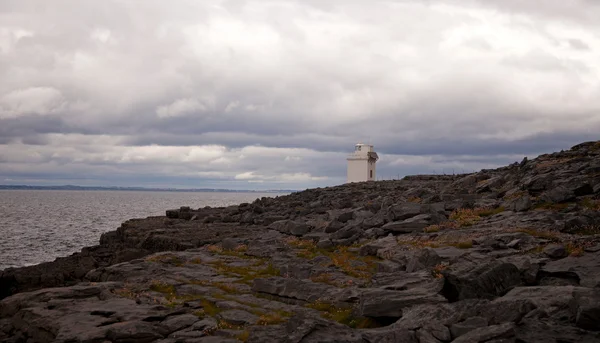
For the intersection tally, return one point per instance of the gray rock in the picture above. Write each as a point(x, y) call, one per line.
point(555, 251)
point(230, 243)
point(414, 224)
point(404, 211)
point(425, 336)
point(390, 304)
point(588, 311)
point(378, 244)
point(584, 269)
point(558, 195)
point(176, 323)
point(521, 204)
point(135, 331)
point(486, 334)
point(290, 227)
point(238, 317)
point(486, 281)
point(535, 330)
point(422, 259)
point(439, 331)
point(468, 325)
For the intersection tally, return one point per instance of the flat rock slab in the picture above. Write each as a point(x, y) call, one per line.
point(238, 317)
point(586, 268)
point(391, 304)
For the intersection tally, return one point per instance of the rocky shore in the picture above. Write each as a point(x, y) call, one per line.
point(504, 255)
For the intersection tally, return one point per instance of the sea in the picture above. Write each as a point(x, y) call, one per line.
point(40, 225)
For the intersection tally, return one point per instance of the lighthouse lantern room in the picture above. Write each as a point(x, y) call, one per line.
point(361, 163)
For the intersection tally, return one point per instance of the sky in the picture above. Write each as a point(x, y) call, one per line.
point(273, 94)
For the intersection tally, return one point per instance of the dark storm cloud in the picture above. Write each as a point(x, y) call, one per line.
point(259, 93)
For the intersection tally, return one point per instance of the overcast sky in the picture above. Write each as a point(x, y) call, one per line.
point(251, 94)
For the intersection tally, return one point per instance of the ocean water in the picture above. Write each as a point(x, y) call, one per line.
point(39, 225)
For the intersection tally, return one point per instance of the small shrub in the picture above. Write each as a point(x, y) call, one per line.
point(215, 249)
point(415, 200)
point(574, 249)
point(432, 228)
point(464, 245)
point(196, 260)
point(243, 336)
point(437, 270)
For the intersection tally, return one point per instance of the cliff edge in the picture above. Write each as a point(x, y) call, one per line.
point(503, 255)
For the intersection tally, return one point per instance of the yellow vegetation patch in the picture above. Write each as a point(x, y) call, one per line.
point(415, 200)
point(347, 261)
point(465, 216)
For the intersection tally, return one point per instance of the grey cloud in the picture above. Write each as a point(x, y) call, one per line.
point(437, 84)
point(578, 44)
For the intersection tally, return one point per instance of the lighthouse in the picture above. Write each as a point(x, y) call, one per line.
point(361, 163)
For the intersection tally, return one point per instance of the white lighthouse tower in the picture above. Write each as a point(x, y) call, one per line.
point(361, 163)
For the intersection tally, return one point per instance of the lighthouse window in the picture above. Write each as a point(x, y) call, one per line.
point(371, 174)
point(358, 148)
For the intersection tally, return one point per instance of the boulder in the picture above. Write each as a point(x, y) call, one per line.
point(414, 224)
point(404, 211)
point(555, 251)
point(584, 270)
point(487, 333)
point(467, 325)
point(290, 227)
point(379, 303)
point(559, 194)
point(487, 280)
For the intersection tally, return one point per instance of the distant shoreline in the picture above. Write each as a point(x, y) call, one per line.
point(99, 188)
